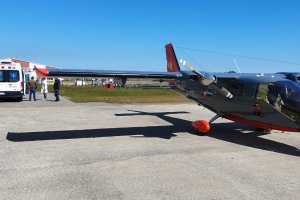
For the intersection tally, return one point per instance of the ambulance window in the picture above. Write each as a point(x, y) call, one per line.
point(1, 76)
point(13, 76)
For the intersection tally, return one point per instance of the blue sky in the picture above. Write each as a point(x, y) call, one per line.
point(130, 35)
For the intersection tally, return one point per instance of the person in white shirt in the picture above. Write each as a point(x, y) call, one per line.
point(44, 88)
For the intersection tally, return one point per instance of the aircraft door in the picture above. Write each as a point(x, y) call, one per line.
point(270, 93)
point(284, 96)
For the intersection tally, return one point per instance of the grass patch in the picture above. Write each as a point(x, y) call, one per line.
point(121, 95)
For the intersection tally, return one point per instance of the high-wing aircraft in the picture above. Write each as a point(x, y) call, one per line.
point(267, 101)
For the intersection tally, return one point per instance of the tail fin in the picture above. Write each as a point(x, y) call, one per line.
point(172, 63)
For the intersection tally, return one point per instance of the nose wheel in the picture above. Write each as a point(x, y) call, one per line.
point(202, 126)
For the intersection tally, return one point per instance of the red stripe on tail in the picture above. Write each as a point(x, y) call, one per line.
point(172, 63)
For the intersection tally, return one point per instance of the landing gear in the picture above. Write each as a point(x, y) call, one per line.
point(203, 127)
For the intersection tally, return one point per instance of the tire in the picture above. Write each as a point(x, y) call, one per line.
point(20, 99)
point(196, 132)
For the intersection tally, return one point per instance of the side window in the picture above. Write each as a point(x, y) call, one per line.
point(262, 91)
point(13, 76)
point(236, 88)
point(1, 76)
point(194, 77)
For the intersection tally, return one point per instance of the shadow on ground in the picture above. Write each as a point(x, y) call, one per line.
point(8, 100)
point(229, 132)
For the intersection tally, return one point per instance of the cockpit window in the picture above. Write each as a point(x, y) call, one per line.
point(285, 97)
point(288, 89)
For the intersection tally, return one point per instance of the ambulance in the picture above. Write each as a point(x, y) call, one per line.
point(12, 81)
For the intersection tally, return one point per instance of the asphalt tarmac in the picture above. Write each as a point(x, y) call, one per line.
point(51, 150)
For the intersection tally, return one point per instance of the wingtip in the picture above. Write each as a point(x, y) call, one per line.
point(41, 72)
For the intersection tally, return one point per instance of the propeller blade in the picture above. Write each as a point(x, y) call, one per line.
point(222, 90)
point(207, 81)
point(190, 67)
point(203, 79)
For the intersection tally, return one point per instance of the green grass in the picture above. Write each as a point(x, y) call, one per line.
point(121, 95)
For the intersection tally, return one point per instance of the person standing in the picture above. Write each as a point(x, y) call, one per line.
point(56, 88)
point(44, 88)
point(32, 88)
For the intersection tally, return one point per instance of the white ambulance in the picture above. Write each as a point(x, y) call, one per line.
point(12, 81)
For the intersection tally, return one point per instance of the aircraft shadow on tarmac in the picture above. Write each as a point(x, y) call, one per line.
point(229, 132)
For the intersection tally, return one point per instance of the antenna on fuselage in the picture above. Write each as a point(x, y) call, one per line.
point(238, 68)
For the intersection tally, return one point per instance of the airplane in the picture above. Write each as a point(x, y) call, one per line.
point(266, 101)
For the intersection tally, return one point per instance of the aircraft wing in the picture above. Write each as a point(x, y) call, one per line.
point(105, 73)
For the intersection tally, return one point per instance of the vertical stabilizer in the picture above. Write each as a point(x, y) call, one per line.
point(172, 63)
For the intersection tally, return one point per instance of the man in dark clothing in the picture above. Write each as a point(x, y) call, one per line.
point(32, 88)
point(274, 97)
point(56, 88)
